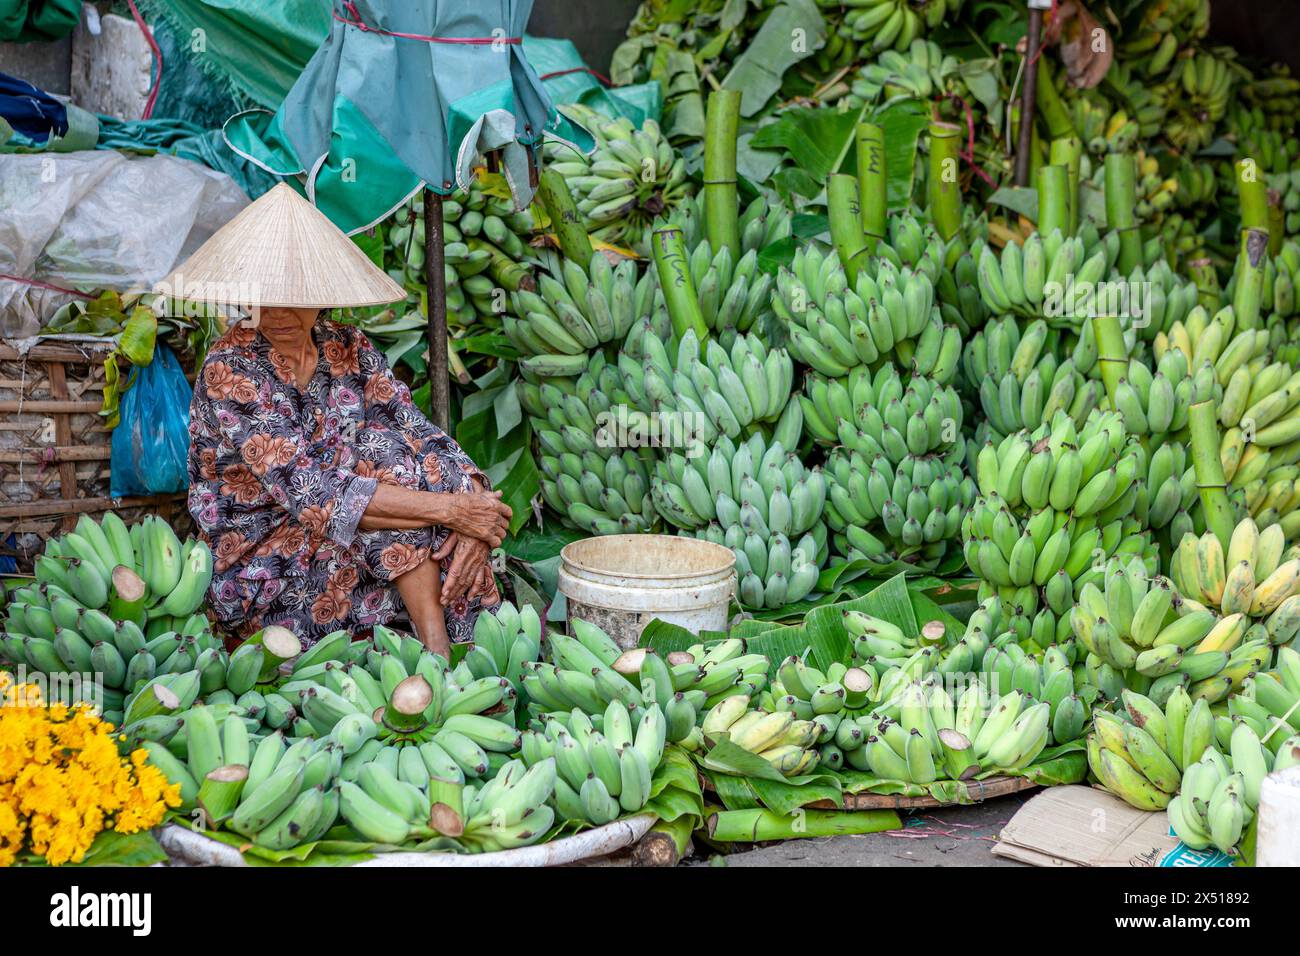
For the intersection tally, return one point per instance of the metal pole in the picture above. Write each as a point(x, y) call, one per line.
point(436, 282)
point(1028, 95)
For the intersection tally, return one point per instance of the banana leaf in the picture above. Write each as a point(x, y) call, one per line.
point(828, 636)
point(793, 31)
point(816, 140)
point(764, 781)
point(1055, 766)
point(780, 796)
point(111, 848)
point(506, 458)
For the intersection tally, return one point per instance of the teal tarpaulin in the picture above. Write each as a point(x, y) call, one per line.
point(404, 94)
point(568, 80)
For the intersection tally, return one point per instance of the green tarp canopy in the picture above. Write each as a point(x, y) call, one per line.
point(402, 95)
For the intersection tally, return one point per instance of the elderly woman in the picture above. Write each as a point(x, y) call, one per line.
point(329, 500)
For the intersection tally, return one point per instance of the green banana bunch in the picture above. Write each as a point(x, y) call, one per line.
point(1144, 103)
point(1273, 99)
point(920, 73)
point(1200, 89)
point(1143, 627)
point(913, 243)
point(1101, 128)
point(720, 391)
point(409, 694)
point(878, 25)
point(874, 413)
point(762, 222)
point(1155, 407)
point(885, 511)
point(1141, 751)
point(114, 606)
point(758, 500)
point(1278, 297)
point(1088, 471)
point(1287, 187)
point(892, 315)
point(1036, 566)
point(594, 445)
point(589, 671)
point(632, 178)
point(399, 795)
point(575, 313)
point(1216, 341)
point(1215, 805)
point(1197, 183)
point(1253, 578)
point(1168, 496)
point(785, 742)
point(733, 295)
point(826, 700)
point(926, 735)
point(1162, 31)
point(486, 250)
point(604, 763)
point(1036, 279)
point(876, 642)
point(505, 639)
point(511, 810)
point(1020, 381)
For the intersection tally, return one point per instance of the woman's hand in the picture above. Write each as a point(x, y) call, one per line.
point(469, 564)
point(481, 515)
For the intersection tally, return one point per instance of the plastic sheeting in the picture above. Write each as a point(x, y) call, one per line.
point(99, 220)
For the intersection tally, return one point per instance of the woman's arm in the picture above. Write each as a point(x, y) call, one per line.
point(481, 515)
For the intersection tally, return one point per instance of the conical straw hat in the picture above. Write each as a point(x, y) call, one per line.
point(281, 251)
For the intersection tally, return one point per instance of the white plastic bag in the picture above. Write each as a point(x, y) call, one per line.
point(99, 219)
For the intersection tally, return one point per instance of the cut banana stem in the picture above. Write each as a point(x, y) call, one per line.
point(220, 791)
point(128, 598)
point(405, 710)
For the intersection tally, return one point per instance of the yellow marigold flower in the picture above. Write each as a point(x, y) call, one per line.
point(62, 780)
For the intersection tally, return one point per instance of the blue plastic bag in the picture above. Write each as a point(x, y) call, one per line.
point(151, 444)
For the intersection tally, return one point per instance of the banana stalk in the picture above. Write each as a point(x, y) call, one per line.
point(566, 221)
point(1050, 106)
point(1053, 200)
point(945, 188)
point(1111, 354)
point(675, 281)
point(873, 196)
point(846, 223)
point(666, 843)
point(1252, 192)
point(721, 218)
point(1249, 291)
point(1121, 203)
point(1068, 151)
point(1202, 423)
point(756, 826)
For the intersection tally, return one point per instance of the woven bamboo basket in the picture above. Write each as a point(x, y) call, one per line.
point(55, 450)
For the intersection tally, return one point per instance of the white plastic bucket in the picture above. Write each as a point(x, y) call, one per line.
point(1277, 842)
point(621, 582)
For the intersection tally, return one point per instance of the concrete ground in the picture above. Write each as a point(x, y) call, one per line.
point(952, 836)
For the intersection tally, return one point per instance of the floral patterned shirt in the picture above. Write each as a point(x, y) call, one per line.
point(280, 476)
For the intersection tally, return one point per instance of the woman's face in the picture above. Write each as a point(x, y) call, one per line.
point(281, 321)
